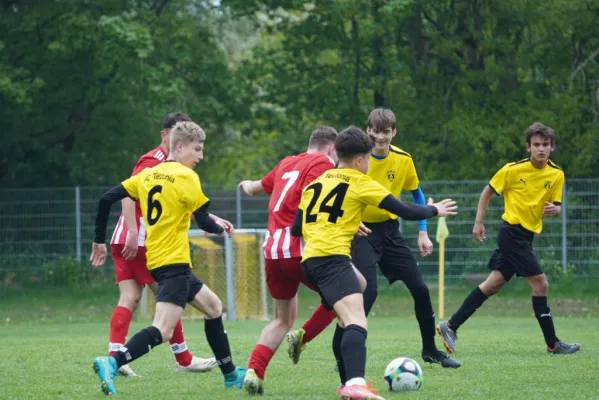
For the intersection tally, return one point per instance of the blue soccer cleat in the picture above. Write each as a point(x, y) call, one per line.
point(106, 369)
point(235, 379)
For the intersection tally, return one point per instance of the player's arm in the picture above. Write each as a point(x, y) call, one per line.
point(411, 212)
point(497, 185)
point(296, 226)
point(252, 188)
point(130, 248)
point(553, 208)
point(98, 255)
point(205, 222)
point(418, 198)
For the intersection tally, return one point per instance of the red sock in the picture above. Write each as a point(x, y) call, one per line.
point(318, 322)
point(119, 326)
point(179, 347)
point(259, 359)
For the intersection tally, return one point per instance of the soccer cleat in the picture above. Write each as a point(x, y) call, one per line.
point(295, 341)
point(126, 371)
point(449, 337)
point(564, 348)
point(198, 365)
point(106, 368)
point(438, 357)
point(358, 392)
point(235, 379)
point(252, 384)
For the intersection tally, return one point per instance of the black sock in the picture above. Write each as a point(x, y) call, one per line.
point(353, 348)
point(426, 318)
point(138, 345)
point(219, 343)
point(337, 336)
point(474, 300)
point(543, 314)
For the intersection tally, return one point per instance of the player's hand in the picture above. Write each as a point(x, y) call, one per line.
point(551, 210)
point(445, 207)
point(363, 230)
point(479, 232)
point(98, 256)
point(130, 248)
point(245, 185)
point(424, 244)
point(227, 226)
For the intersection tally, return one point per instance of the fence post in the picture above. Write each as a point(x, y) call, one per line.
point(238, 207)
point(78, 222)
point(564, 228)
point(230, 272)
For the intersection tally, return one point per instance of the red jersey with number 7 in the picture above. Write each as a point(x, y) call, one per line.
point(284, 183)
point(148, 160)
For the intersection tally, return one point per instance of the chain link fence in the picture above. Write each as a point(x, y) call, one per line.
point(48, 231)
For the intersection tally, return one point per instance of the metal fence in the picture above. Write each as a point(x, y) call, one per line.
point(43, 225)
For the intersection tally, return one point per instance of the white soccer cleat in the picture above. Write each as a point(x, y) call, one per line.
point(198, 365)
point(126, 370)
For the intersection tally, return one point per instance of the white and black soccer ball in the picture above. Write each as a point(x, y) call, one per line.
point(403, 375)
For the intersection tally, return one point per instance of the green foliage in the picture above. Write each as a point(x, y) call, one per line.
point(84, 85)
point(65, 271)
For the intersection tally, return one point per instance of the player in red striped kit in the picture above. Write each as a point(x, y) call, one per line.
point(282, 251)
point(127, 247)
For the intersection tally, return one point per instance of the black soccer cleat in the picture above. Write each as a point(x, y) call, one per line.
point(449, 336)
point(563, 348)
point(438, 357)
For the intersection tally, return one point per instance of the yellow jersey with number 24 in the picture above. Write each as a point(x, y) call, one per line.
point(332, 207)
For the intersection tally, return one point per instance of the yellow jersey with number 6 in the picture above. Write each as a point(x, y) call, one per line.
point(332, 208)
point(168, 194)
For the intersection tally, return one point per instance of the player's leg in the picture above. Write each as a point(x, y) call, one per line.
point(365, 256)
point(398, 263)
point(129, 296)
point(173, 288)
point(186, 361)
point(271, 338)
point(540, 286)
point(205, 300)
point(340, 286)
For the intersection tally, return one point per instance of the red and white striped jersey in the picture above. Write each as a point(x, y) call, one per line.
point(148, 160)
point(285, 183)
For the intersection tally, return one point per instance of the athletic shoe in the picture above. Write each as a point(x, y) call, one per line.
point(106, 368)
point(438, 357)
point(358, 392)
point(295, 341)
point(449, 337)
point(563, 348)
point(235, 378)
point(126, 371)
point(252, 384)
point(198, 365)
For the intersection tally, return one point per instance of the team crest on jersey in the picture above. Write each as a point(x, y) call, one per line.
point(391, 175)
point(547, 185)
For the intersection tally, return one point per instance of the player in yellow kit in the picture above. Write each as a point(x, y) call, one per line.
point(532, 189)
point(169, 194)
point(328, 218)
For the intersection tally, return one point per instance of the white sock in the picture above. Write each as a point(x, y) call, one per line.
point(356, 382)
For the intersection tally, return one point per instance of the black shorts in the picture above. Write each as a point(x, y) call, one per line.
point(514, 253)
point(333, 276)
point(176, 284)
point(386, 247)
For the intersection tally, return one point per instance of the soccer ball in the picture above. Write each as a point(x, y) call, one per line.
point(403, 375)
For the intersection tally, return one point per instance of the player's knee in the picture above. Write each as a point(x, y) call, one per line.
point(418, 289)
point(540, 286)
point(166, 333)
point(214, 308)
point(129, 300)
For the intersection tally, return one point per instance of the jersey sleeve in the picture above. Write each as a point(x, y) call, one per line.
point(316, 170)
point(412, 182)
point(132, 186)
point(268, 182)
point(371, 192)
point(499, 181)
point(145, 162)
point(558, 188)
point(195, 196)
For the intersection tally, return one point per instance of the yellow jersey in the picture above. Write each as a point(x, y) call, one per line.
point(168, 194)
point(396, 172)
point(332, 207)
point(525, 190)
